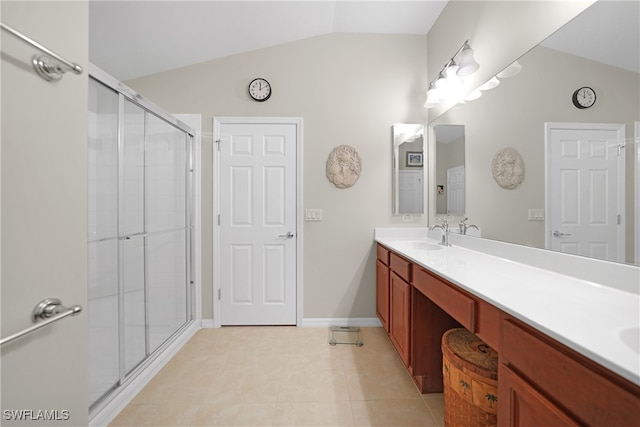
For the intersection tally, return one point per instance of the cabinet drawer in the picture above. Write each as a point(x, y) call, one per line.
point(401, 266)
point(593, 394)
point(488, 324)
point(459, 306)
point(383, 254)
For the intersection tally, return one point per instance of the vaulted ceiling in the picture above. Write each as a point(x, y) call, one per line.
point(130, 39)
point(134, 38)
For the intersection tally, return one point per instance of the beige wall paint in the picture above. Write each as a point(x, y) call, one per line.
point(349, 89)
point(44, 211)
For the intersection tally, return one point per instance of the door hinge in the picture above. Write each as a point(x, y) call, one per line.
point(219, 294)
point(218, 219)
point(619, 219)
point(218, 143)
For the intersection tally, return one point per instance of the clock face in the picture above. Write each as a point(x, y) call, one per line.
point(259, 89)
point(584, 97)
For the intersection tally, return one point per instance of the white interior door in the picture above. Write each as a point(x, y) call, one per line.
point(455, 190)
point(585, 189)
point(410, 191)
point(257, 223)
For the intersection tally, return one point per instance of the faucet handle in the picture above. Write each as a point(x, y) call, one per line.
point(463, 221)
point(442, 219)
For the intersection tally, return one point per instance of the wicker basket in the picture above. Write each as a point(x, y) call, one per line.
point(470, 371)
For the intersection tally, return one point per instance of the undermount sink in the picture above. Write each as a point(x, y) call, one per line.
point(631, 338)
point(421, 245)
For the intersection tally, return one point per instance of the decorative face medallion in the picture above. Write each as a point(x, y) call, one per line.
point(507, 168)
point(344, 166)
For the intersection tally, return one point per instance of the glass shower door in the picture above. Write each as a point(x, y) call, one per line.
point(131, 222)
point(167, 229)
point(104, 372)
point(139, 235)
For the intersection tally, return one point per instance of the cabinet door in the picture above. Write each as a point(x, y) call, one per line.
point(382, 294)
point(400, 326)
point(521, 405)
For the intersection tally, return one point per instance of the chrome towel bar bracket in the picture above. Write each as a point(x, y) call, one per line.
point(50, 309)
point(50, 66)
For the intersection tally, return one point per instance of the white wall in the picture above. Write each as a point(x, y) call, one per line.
point(349, 89)
point(44, 213)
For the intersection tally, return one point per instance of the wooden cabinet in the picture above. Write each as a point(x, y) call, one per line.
point(524, 406)
point(459, 306)
point(543, 381)
point(400, 306)
point(382, 287)
point(400, 321)
point(393, 299)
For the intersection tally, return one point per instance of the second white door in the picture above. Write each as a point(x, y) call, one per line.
point(257, 223)
point(585, 189)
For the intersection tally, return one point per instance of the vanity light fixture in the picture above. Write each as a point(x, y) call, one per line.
point(473, 95)
point(433, 96)
point(448, 84)
point(492, 83)
point(510, 71)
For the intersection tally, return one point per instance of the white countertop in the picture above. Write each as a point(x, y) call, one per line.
point(598, 321)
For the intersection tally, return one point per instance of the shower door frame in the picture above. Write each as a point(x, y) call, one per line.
point(192, 297)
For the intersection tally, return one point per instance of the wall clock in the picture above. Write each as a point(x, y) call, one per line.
point(259, 89)
point(584, 97)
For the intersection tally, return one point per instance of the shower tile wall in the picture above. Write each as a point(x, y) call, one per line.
point(138, 236)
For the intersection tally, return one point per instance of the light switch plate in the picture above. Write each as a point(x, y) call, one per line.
point(536, 214)
point(313, 215)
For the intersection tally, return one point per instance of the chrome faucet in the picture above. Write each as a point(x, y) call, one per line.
point(444, 227)
point(464, 227)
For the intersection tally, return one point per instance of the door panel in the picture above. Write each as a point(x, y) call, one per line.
point(456, 190)
point(258, 223)
point(131, 166)
point(584, 190)
point(167, 290)
point(135, 348)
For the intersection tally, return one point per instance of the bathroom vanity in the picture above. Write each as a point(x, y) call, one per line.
point(568, 348)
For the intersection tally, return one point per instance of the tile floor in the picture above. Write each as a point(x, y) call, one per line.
point(282, 376)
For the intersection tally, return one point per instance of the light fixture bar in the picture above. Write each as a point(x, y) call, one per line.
point(467, 65)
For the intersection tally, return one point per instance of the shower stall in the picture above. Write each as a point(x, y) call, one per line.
point(140, 241)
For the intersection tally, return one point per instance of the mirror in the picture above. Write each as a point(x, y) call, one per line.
point(450, 172)
point(408, 169)
point(514, 114)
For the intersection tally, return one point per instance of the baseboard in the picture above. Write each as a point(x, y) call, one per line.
point(208, 323)
point(322, 322)
point(107, 413)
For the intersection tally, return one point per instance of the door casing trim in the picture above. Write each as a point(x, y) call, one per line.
point(215, 176)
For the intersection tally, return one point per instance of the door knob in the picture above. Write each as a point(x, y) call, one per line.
point(556, 233)
point(289, 235)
